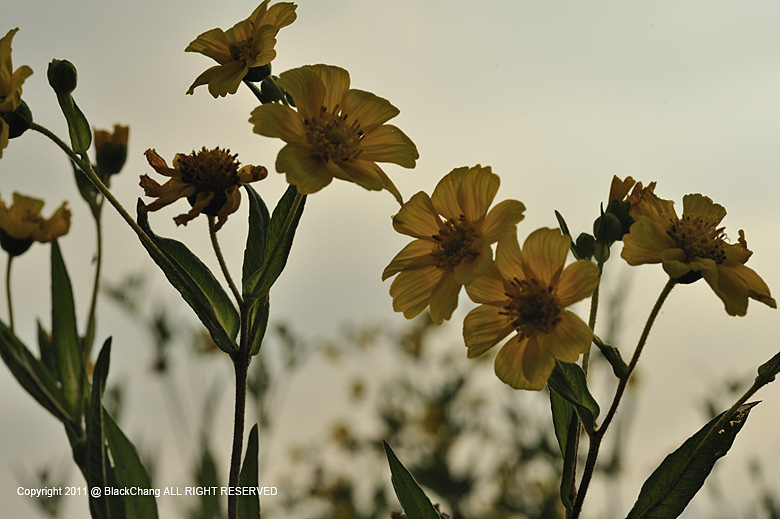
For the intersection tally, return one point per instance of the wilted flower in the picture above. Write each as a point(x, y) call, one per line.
point(10, 86)
point(209, 179)
point(692, 247)
point(247, 45)
point(22, 224)
point(111, 149)
point(337, 132)
point(527, 293)
point(451, 252)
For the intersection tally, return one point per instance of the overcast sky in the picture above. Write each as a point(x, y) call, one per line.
point(555, 96)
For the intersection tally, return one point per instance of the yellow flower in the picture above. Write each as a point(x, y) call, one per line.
point(209, 179)
point(692, 247)
point(248, 44)
point(10, 85)
point(527, 293)
point(336, 132)
point(22, 224)
point(452, 252)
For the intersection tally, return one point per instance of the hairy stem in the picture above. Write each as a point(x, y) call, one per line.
point(8, 293)
point(89, 334)
point(222, 263)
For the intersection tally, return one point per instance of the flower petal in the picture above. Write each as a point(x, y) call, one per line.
point(568, 339)
point(306, 173)
point(484, 327)
point(417, 218)
point(306, 89)
point(411, 290)
point(509, 258)
point(488, 288)
point(523, 364)
point(501, 218)
point(577, 282)
point(416, 254)
point(387, 143)
point(544, 253)
point(646, 240)
point(212, 44)
point(444, 298)
point(704, 208)
point(368, 109)
point(275, 120)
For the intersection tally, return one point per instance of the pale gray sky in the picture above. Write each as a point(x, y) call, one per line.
point(555, 96)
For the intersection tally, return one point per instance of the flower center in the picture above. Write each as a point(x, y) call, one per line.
point(454, 243)
point(209, 170)
point(332, 137)
point(698, 238)
point(241, 51)
point(532, 306)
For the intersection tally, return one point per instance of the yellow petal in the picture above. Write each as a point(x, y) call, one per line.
point(509, 258)
point(729, 288)
point(226, 78)
point(475, 263)
point(417, 218)
point(212, 44)
point(703, 207)
point(577, 282)
point(568, 339)
point(501, 218)
point(306, 173)
point(477, 191)
point(279, 15)
point(416, 254)
point(306, 89)
point(445, 194)
point(676, 264)
point(411, 290)
point(389, 144)
point(275, 120)
point(336, 82)
point(488, 288)
point(484, 327)
point(646, 240)
point(756, 287)
point(368, 109)
point(544, 253)
point(444, 298)
point(523, 364)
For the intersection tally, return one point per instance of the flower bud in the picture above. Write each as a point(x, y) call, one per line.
point(19, 121)
point(256, 74)
point(607, 228)
point(584, 245)
point(62, 76)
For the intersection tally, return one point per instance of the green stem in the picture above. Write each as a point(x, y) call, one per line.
point(595, 439)
point(241, 368)
point(89, 334)
point(222, 263)
point(8, 293)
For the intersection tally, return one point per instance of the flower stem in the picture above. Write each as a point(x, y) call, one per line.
point(598, 435)
point(8, 293)
point(89, 334)
point(222, 263)
point(241, 368)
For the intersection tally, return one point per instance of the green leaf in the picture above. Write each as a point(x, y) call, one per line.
point(78, 126)
point(88, 191)
point(568, 380)
point(46, 348)
point(566, 427)
point(97, 458)
point(249, 506)
point(259, 324)
point(768, 370)
point(414, 501)
point(612, 354)
point(129, 471)
point(257, 237)
point(204, 294)
point(64, 333)
point(281, 232)
point(673, 484)
point(33, 375)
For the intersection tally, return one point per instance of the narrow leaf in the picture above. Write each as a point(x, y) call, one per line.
point(249, 505)
point(414, 501)
point(566, 427)
point(33, 375)
point(281, 232)
point(129, 471)
point(78, 126)
point(568, 380)
point(257, 237)
point(65, 339)
point(258, 324)
point(97, 459)
point(204, 294)
point(673, 484)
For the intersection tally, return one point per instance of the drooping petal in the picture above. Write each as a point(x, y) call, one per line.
point(202, 200)
point(417, 218)
point(544, 254)
point(578, 281)
point(309, 175)
point(568, 339)
point(444, 298)
point(646, 240)
point(523, 364)
point(411, 290)
point(212, 44)
point(226, 78)
point(369, 175)
point(501, 218)
point(484, 327)
point(416, 254)
point(275, 120)
point(229, 207)
point(676, 264)
point(756, 287)
point(387, 143)
point(729, 288)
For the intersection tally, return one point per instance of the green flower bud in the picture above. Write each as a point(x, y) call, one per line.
point(271, 91)
point(14, 246)
point(19, 121)
point(607, 228)
point(584, 245)
point(62, 76)
point(256, 74)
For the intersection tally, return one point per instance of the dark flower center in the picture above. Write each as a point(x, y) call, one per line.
point(454, 242)
point(532, 306)
point(332, 137)
point(209, 170)
point(241, 51)
point(698, 238)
